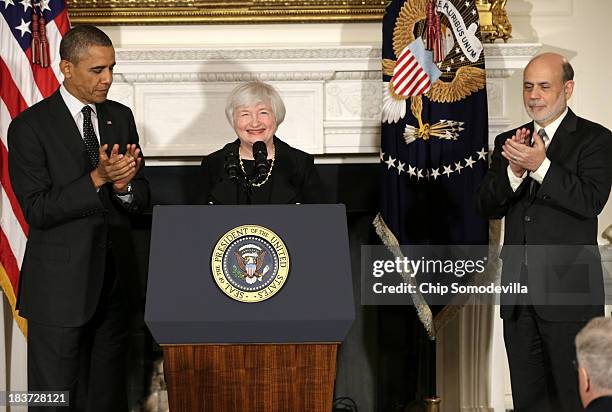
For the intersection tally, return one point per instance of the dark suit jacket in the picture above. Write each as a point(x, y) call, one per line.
point(294, 179)
point(603, 404)
point(563, 212)
point(70, 224)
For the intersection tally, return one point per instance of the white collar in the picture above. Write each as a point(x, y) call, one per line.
point(74, 105)
point(551, 129)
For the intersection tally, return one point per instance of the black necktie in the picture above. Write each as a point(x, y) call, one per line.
point(89, 137)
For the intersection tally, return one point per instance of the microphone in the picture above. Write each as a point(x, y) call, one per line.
point(232, 161)
point(260, 154)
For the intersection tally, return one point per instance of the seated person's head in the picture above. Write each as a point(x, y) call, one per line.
point(594, 355)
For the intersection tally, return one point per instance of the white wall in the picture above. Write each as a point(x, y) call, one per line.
point(246, 34)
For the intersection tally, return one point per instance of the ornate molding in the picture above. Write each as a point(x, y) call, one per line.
point(511, 49)
point(206, 77)
point(200, 54)
point(369, 75)
point(223, 11)
point(499, 73)
point(358, 100)
point(286, 53)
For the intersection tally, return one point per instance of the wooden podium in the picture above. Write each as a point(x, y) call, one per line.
point(229, 378)
point(223, 355)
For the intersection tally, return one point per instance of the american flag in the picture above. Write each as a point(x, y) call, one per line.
point(414, 71)
point(25, 26)
point(409, 79)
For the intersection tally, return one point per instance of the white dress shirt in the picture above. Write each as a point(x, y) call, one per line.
point(540, 173)
point(74, 107)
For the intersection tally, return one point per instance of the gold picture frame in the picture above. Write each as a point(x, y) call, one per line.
point(114, 12)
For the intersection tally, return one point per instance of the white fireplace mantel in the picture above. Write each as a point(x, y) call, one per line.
point(333, 96)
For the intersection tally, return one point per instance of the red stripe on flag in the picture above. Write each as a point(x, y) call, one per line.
point(62, 22)
point(424, 88)
point(417, 82)
point(405, 54)
point(9, 92)
point(8, 261)
point(8, 189)
point(43, 76)
point(406, 75)
point(414, 74)
point(405, 71)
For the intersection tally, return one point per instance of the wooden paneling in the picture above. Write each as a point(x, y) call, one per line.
point(254, 378)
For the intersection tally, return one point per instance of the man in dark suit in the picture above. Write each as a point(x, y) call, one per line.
point(75, 167)
point(594, 354)
point(549, 179)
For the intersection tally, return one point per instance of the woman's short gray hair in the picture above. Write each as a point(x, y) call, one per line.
point(594, 351)
point(252, 93)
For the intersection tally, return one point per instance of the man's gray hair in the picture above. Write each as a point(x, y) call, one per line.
point(594, 351)
point(252, 93)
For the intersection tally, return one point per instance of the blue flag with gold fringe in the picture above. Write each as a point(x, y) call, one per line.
point(434, 127)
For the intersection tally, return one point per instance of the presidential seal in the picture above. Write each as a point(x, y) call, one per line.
point(250, 263)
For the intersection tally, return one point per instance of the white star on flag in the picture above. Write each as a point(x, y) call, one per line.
point(469, 162)
point(458, 167)
point(7, 3)
point(411, 170)
point(447, 171)
point(390, 162)
point(435, 173)
point(26, 4)
point(23, 27)
point(44, 5)
point(482, 154)
point(400, 167)
point(419, 174)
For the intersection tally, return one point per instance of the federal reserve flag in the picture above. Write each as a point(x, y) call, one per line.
point(434, 127)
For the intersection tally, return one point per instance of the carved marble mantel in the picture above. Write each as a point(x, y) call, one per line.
point(333, 96)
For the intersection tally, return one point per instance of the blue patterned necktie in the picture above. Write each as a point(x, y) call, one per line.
point(89, 137)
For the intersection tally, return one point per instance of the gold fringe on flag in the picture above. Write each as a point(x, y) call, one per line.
point(448, 312)
point(422, 308)
point(7, 287)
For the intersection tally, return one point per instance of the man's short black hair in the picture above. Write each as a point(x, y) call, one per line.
point(79, 39)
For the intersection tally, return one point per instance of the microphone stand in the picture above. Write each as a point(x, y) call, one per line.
point(236, 173)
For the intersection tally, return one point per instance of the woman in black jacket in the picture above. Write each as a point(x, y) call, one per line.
point(237, 175)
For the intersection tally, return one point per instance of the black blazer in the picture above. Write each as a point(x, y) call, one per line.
point(563, 211)
point(70, 223)
point(602, 404)
point(294, 179)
